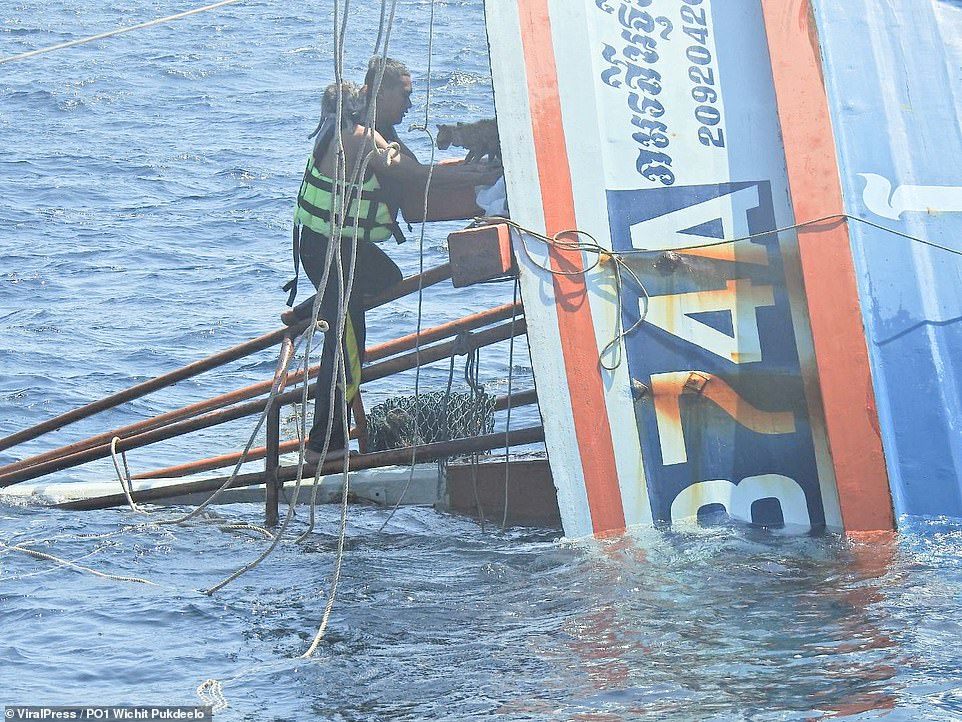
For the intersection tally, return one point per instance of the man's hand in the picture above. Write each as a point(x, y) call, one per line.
point(487, 173)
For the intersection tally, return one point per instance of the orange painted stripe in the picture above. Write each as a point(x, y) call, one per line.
point(827, 267)
point(575, 324)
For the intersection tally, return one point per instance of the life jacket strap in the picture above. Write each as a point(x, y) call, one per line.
point(292, 284)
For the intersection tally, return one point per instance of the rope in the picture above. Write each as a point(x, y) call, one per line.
point(126, 484)
point(118, 31)
point(417, 335)
point(359, 174)
point(343, 300)
point(618, 258)
point(602, 254)
point(72, 565)
point(343, 192)
point(211, 693)
point(814, 222)
point(18, 577)
point(507, 428)
point(244, 526)
point(383, 31)
point(275, 390)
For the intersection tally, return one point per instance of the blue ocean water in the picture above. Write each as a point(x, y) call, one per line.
point(147, 187)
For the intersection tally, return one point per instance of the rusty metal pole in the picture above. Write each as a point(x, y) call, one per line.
point(272, 458)
point(389, 367)
point(159, 382)
point(271, 462)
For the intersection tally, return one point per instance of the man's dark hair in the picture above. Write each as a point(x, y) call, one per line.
point(394, 70)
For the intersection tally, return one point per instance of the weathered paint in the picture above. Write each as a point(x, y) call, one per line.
point(893, 73)
point(520, 164)
point(575, 323)
point(831, 292)
point(617, 133)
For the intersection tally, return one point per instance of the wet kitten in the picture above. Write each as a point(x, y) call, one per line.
point(479, 138)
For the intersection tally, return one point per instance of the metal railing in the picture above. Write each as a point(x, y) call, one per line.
point(382, 360)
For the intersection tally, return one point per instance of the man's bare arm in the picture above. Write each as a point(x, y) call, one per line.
point(406, 178)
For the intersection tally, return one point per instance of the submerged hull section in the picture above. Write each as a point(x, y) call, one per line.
point(893, 71)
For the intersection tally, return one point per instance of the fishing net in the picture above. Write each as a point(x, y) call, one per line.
point(435, 416)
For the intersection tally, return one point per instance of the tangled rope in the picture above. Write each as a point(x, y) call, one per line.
point(211, 693)
point(618, 258)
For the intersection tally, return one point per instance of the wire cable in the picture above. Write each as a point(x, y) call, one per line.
point(507, 427)
point(118, 31)
point(424, 218)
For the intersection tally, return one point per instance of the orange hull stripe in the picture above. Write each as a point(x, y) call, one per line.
point(574, 313)
point(827, 267)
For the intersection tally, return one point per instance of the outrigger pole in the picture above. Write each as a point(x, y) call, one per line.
point(295, 327)
point(390, 357)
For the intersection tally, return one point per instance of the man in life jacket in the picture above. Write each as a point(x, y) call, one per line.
point(393, 175)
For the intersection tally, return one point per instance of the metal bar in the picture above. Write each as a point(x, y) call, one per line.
point(404, 287)
point(521, 398)
point(445, 330)
point(370, 373)
point(271, 462)
point(374, 353)
point(439, 351)
point(141, 389)
point(394, 457)
point(272, 453)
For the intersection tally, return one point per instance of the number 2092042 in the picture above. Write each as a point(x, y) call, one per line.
point(702, 74)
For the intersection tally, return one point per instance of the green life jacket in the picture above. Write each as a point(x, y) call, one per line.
point(374, 215)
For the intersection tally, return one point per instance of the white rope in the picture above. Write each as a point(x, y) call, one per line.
point(126, 484)
point(357, 178)
point(118, 31)
point(18, 577)
point(507, 426)
point(340, 191)
point(275, 391)
point(72, 565)
point(424, 216)
point(343, 192)
point(245, 526)
point(211, 693)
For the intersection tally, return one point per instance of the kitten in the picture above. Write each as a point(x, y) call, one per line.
point(480, 138)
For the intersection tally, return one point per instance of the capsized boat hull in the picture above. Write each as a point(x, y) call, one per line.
point(754, 382)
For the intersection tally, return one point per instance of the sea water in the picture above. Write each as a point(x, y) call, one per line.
point(147, 186)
